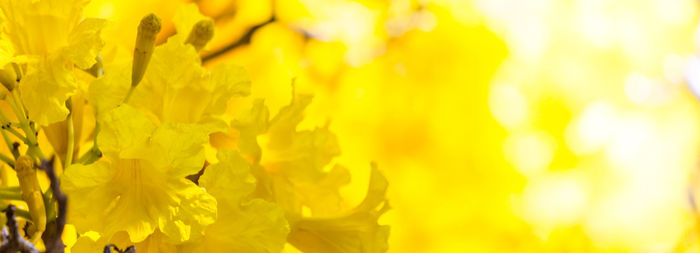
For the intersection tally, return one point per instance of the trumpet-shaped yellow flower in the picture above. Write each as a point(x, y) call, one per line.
point(353, 231)
point(294, 163)
point(47, 38)
point(140, 186)
point(242, 225)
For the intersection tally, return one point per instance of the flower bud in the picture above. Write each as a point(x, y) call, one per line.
point(8, 77)
point(201, 34)
point(31, 193)
point(145, 42)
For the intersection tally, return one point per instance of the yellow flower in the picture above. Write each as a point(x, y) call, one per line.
point(249, 125)
point(175, 88)
point(353, 231)
point(296, 162)
point(47, 38)
point(140, 185)
point(294, 176)
point(242, 225)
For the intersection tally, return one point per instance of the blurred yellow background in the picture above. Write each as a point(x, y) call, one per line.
point(502, 125)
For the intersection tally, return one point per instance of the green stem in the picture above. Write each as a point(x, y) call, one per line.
point(10, 188)
point(8, 142)
point(128, 95)
point(17, 134)
point(7, 160)
point(94, 153)
point(71, 141)
point(4, 195)
point(28, 131)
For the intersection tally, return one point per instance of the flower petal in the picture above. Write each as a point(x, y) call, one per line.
point(179, 148)
point(230, 179)
point(45, 90)
point(195, 210)
point(255, 227)
point(84, 42)
point(123, 130)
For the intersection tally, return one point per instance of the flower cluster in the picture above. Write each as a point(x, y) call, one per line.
point(161, 169)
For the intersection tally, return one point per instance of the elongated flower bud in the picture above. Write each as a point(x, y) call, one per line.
point(201, 34)
point(145, 42)
point(8, 77)
point(31, 193)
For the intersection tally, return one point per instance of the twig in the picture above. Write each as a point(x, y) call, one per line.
point(52, 236)
point(109, 247)
point(244, 40)
point(15, 242)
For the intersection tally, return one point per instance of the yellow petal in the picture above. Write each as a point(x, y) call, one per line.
point(283, 125)
point(85, 183)
point(123, 130)
point(195, 210)
point(156, 243)
point(230, 179)
point(41, 27)
point(355, 231)
point(227, 81)
point(255, 227)
point(322, 195)
point(84, 42)
point(178, 147)
point(6, 52)
point(45, 89)
point(108, 91)
point(304, 155)
point(251, 124)
point(174, 65)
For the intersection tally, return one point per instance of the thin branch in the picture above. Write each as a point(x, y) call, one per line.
point(109, 247)
point(244, 40)
point(15, 242)
point(52, 236)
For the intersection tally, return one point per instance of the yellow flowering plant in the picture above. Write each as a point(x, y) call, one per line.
point(142, 179)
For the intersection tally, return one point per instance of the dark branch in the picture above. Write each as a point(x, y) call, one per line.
point(15, 242)
point(52, 236)
point(244, 40)
point(109, 247)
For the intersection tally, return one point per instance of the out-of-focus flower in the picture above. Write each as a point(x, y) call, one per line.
point(291, 172)
point(354, 231)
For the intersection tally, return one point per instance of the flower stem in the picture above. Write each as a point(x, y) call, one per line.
point(16, 134)
point(24, 124)
point(128, 95)
point(71, 141)
point(7, 160)
point(6, 195)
